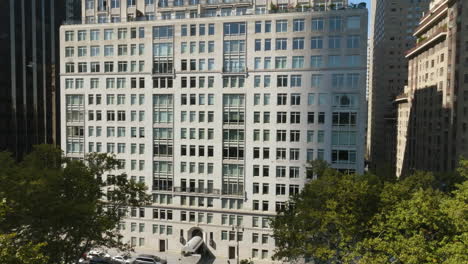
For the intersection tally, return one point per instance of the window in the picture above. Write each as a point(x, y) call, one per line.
point(108, 34)
point(297, 62)
point(82, 67)
point(258, 44)
point(316, 61)
point(298, 25)
point(280, 62)
point(234, 28)
point(294, 154)
point(280, 189)
point(352, 42)
point(94, 34)
point(334, 61)
point(163, 32)
point(201, 29)
point(69, 51)
point(81, 35)
point(310, 98)
point(280, 153)
point(321, 118)
point(211, 46)
point(334, 42)
point(310, 118)
point(266, 62)
point(295, 99)
point(338, 81)
point(296, 80)
point(282, 81)
point(115, 3)
point(281, 44)
point(258, 26)
point(281, 26)
point(316, 80)
point(298, 43)
point(82, 51)
point(69, 67)
point(193, 30)
point(211, 29)
point(335, 23)
point(281, 135)
point(352, 80)
point(267, 26)
point(343, 156)
point(353, 60)
point(317, 24)
point(316, 43)
point(353, 22)
point(282, 99)
point(295, 117)
point(69, 35)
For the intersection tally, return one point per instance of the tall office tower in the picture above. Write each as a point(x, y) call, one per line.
point(433, 113)
point(393, 22)
point(216, 107)
point(29, 77)
point(73, 11)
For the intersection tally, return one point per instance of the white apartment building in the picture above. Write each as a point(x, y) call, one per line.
point(217, 107)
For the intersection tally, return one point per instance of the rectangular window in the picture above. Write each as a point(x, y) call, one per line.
point(298, 43)
point(316, 43)
point(298, 25)
point(334, 42)
point(317, 24)
point(281, 26)
point(297, 62)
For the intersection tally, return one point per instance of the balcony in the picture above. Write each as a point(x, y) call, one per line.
point(235, 70)
point(194, 190)
point(425, 41)
point(232, 193)
point(227, 2)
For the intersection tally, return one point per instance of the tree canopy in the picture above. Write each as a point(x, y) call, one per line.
point(341, 218)
point(60, 208)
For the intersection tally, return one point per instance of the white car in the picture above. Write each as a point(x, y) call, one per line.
point(95, 253)
point(122, 259)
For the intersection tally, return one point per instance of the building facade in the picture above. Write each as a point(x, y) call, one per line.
point(216, 107)
point(29, 74)
point(432, 113)
point(393, 23)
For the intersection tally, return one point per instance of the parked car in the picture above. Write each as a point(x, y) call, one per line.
point(122, 259)
point(100, 260)
point(149, 259)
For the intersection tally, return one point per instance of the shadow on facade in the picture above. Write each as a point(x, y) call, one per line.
point(428, 132)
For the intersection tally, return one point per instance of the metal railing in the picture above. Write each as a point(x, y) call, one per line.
point(197, 190)
point(274, 10)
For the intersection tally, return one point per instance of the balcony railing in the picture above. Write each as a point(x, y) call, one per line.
point(274, 9)
point(233, 193)
point(234, 69)
point(197, 190)
point(422, 41)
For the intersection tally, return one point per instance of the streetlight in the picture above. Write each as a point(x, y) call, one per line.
point(237, 228)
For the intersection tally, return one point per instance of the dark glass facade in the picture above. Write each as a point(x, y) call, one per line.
point(29, 73)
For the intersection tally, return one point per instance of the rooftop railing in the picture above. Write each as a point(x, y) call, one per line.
point(273, 10)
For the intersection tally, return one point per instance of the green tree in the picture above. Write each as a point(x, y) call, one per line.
point(327, 218)
point(365, 219)
point(12, 252)
point(419, 221)
point(63, 205)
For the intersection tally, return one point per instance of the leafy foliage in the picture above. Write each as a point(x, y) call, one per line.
point(367, 219)
point(63, 206)
point(12, 253)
